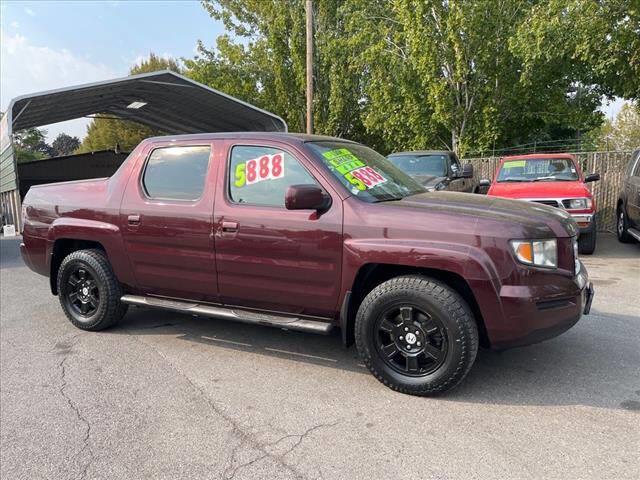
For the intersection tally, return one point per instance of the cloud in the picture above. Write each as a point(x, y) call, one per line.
point(29, 12)
point(15, 25)
point(28, 68)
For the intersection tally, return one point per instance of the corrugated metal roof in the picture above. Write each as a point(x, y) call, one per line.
point(170, 102)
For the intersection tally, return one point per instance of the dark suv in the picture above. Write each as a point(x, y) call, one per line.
point(436, 170)
point(628, 210)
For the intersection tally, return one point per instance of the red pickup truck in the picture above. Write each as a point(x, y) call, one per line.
point(553, 179)
point(309, 233)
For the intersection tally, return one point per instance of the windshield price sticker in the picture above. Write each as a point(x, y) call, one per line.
point(515, 164)
point(354, 170)
point(266, 167)
point(368, 176)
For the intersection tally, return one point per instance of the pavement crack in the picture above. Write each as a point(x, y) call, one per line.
point(86, 446)
point(245, 436)
point(231, 471)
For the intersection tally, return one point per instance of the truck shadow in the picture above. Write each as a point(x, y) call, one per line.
point(585, 366)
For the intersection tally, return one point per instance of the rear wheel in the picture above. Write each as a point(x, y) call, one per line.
point(621, 226)
point(89, 291)
point(416, 335)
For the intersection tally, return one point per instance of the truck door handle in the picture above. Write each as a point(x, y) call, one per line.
point(133, 219)
point(229, 227)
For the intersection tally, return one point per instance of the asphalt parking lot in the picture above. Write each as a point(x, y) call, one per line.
point(170, 396)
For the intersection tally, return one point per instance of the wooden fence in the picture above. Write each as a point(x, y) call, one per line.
point(610, 165)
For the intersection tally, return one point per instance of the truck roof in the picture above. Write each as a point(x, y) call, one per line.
point(423, 152)
point(540, 155)
point(281, 136)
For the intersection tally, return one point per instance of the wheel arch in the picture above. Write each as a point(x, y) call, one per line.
point(63, 247)
point(371, 275)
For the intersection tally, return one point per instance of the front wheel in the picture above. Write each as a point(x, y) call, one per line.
point(89, 291)
point(416, 335)
point(587, 240)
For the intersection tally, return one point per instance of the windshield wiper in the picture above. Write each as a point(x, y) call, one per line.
point(390, 199)
point(555, 179)
point(513, 180)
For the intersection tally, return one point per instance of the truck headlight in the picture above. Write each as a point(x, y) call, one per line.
point(575, 255)
point(539, 253)
point(579, 203)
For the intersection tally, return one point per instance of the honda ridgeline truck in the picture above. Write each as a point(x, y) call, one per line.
point(309, 233)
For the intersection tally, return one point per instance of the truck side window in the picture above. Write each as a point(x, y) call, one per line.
point(261, 175)
point(176, 173)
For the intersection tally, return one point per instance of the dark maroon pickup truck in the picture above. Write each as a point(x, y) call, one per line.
point(309, 233)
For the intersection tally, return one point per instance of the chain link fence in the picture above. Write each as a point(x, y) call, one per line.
point(610, 165)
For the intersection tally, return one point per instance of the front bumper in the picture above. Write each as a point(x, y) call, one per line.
point(586, 221)
point(534, 313)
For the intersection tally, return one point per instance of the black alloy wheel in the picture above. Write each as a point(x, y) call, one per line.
point(411, 341)
point(89, 291)
point(82, 294)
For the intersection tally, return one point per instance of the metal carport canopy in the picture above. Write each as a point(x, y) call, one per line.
point(165, 100)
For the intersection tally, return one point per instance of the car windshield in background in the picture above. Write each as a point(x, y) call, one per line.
point(364, 172)
point(538, 170)
point(421, 165)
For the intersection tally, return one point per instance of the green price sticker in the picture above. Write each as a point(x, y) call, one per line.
point(241, 177)
point(515, 164)
point(344, 162)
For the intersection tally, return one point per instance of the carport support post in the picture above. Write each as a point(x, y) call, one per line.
point(309, 66)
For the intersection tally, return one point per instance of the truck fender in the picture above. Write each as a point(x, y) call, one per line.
point(472, 264)
point(106, 234)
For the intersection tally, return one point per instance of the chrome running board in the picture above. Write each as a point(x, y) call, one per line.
point(634, 233)
point(231, 313)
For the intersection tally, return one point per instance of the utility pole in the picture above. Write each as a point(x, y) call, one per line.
point(309, 67)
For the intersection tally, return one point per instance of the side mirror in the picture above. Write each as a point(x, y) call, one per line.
point(483, 186)
point(594, 177)
point(467, 171)
point(306, 197)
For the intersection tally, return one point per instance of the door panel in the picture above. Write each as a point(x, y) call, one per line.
point(275, 259)
point(168, 237)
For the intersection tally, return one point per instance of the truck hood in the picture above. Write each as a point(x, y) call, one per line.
point(575, 189)
point(429, 181)
point(535, 220)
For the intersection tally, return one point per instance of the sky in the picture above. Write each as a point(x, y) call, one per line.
point(50, 44)
point(53, 44)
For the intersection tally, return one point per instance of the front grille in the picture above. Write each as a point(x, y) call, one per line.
point(551, 203)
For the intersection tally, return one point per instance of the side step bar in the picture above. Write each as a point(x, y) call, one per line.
point(634, 233)
point(231, 313)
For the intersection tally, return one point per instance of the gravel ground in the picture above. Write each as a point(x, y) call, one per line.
point(168, 396)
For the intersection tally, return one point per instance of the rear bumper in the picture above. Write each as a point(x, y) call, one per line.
point(533, 315)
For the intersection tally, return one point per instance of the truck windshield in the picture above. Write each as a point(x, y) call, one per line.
point(364, 172)
point(421, 165)
point(538, 170)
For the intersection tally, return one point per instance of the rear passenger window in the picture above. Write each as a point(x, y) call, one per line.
point(176, 173)
point(262, 175)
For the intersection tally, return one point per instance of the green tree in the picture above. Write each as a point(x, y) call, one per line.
point(621, 134)
point(107, 133)
point(397, 74)
point(594, 42)
point(64, 144)
point(265, 65)
point(30, 144)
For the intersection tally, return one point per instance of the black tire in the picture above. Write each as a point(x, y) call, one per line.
point(426, 304)
point(622, 226)
point(89, 291)
point(587, 241)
